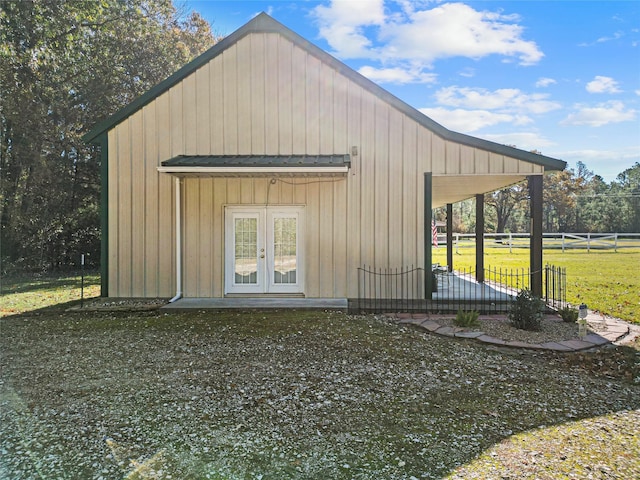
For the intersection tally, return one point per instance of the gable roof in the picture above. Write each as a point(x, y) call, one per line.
point(263, 23)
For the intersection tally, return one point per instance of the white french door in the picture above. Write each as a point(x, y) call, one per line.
point(263, 252)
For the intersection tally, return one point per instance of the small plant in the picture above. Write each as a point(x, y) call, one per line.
point(527, 311)
point(466, 318)
point(569, 314)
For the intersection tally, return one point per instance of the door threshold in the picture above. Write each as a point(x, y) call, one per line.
point(264, 295)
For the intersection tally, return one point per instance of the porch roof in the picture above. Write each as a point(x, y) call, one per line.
point(252, 165)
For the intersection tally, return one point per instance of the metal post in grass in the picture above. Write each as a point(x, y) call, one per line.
point(82, 280)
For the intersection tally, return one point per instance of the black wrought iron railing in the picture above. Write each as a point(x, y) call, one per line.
point(389, 289)
point(402, 289)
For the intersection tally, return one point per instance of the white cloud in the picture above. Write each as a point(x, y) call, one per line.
point(418, 35)
point(601, 114)
point(524, 140)
point(342, 25)
point(510, 99)
point(545, 82)
point(397, 75)
point(602, 85)
point(467, 121)
point(468, 73)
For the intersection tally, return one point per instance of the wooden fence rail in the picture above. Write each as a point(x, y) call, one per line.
point(613, 241)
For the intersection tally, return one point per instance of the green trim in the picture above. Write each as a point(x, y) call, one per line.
point(480, 237)
point(263, 23)
point(428, 249)
point(104, 215)
point(535, 238)
point(450, 237)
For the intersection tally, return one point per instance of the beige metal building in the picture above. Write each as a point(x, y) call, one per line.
point(266, 166)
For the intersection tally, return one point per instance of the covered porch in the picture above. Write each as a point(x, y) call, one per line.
point(445, 190)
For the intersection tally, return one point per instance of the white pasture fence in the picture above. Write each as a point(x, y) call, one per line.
point(564, 241)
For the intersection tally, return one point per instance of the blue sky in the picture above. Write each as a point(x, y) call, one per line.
point(560, 77)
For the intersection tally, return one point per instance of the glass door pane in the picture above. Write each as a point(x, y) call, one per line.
point(246, 251)
point(285, 257)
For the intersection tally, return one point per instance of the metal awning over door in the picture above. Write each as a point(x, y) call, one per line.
point(256, 165)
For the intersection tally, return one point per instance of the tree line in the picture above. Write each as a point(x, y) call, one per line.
point(574, 201)
point(64, 66)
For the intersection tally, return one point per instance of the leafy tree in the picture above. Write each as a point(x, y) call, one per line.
point(505, 202)
point(65, 65)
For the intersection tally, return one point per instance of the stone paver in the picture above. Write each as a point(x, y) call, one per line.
point(596, 339)
point(447, 331)
point(577, 344)
point(518, 344)
point(411, 321)
point(431, 325)
point(492, 340)
point(555, 346)
point(468, 334)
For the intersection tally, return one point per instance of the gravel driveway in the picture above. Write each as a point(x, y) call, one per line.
point(279, 395)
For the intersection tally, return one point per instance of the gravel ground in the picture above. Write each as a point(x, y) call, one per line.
point(553, 329)
point(253, 395)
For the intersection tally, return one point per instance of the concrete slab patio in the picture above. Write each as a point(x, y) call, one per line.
point(260, 303)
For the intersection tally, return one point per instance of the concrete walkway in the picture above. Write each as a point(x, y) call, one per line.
point(609, 331)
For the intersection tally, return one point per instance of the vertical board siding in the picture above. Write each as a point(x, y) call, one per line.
point(124, 200)
point(245, 100)
point(191, 229)
point(395, 202)
point(138, 213)
point(189, 114)
point(230, 101)
point(312, 85)
point(326, 125)
point(114, 214)
point(205, 250)
point(176, 128)
point(165, 206)
point(409, 193)
point(271, 95)
point(298, 102)
point(380, 213)
point(365, 221)
point(265, 95)
point(202, 119)
point(152, 234)
point(216, 106)
point(257, 97)
point(285, 97)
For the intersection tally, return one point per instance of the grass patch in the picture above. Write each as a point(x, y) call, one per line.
point(32, 292)
point(603, 279)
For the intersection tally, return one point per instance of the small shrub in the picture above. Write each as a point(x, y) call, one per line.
point(466, 318)
point(569, 314)
point(527, 311)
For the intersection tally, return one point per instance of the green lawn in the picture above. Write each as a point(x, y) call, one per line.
point(603, 279)
point(31, 292)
